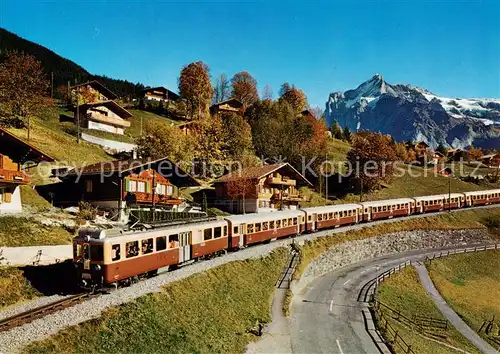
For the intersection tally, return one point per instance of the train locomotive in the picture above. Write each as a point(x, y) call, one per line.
point(111, 257)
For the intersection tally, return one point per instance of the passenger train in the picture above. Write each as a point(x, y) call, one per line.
point(110, 257)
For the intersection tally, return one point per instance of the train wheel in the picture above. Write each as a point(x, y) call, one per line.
point(152, 273)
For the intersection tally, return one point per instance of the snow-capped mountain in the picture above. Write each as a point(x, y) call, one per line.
point(409, 112)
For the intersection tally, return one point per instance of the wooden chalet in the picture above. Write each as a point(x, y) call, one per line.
point(98, 90)
point(229, 106)
point(491, 160)
point(14, 154)
point(118, 186)
point(159, 93)
point(107, 116)
point(267, 188)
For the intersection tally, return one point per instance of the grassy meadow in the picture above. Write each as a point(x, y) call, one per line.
point(210, 312)
point(403, 292)
point(23, 231)
point(14, 287)
point(470, 284)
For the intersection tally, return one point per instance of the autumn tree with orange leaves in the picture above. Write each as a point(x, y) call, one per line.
point(244, 88)
point(296, 98)
point(23, 89)
point(196, 88)
point(240, 188)
point(372, 159)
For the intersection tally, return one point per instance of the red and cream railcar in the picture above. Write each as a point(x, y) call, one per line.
point(438, 202)
point(255, 228)
point(386, 209)
point(482, 197)
point(111, 256)
point(324, 217)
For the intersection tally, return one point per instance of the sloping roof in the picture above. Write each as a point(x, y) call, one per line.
point(19, 150)
point(111, 105)
point(99, 87)
point(171, 94)
point(488, 156)
point(232, 102)
point(261, 171)
point(168, 169)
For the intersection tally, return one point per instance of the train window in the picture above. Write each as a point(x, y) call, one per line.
point(132, 249)
point(173, 241)
point(265, 225)
point(257, 227)
point(235, 230)
point(217, 232)
point(285, 223)
point(147, 246)
point(278, 224)
point(77, 250)
point(96, 253)
point(290, 222)
point(330, 215)
point(295, 221)
point(225, 230)
point(115, 252)
point(320, 217)
point(161, 243)
point(250, 228)
point(85, 251)
point(207, 234)
point(271, 224)
point(336, 215)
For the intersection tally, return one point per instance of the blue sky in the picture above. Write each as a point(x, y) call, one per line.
point(449, 47)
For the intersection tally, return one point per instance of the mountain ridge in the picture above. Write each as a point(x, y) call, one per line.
point(409, 112)
point(64, 69)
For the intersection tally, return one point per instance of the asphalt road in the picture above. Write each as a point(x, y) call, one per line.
point(327, 318)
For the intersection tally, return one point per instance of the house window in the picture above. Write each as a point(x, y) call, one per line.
point(132, 186)
point(88, 186)
point(160, 189)
point(170, 190)
point(141, 187)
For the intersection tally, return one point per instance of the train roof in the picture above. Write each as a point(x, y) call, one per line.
point(331, 208)
point(387, 202)
point(107, 234)
point(482, 192)
point(266, 216)
point(438, 196)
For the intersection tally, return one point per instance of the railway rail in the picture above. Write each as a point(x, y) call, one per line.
point(42, 311)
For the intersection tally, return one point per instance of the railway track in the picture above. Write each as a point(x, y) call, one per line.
point(42, 311)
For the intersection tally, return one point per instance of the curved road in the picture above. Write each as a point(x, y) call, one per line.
point(327, 318)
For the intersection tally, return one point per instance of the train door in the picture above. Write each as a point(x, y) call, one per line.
point(184, 246)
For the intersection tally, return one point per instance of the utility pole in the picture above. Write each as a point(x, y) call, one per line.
point(51, 84)
point(153, 195)
point(77, 115)
point(449, 192)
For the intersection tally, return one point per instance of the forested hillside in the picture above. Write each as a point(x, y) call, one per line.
point(64, 70)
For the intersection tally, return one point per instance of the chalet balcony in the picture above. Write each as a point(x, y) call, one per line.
point(281, 181)
point(294, 197)
point(10, 176)
point(147, 198)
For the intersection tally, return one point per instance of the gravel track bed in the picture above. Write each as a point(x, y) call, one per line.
point(14, 340)
point(29, 305)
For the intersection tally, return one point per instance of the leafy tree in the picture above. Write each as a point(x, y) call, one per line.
point(475, 154)
point(284, 88)
point(222, 89)
point(442, 149)
point(412, 155)
point(240, 188)
point(267, 93)
point(244, 88)
point(337, 131)
point(209, 137)
point(296, 98)
point(374, 155)
point(23, 89)
point(347, 135)
point(196, 88)
point(401, 152)
point(237, 135)
point(161, 139)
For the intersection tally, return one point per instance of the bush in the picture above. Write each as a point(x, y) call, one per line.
point(87, 211)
